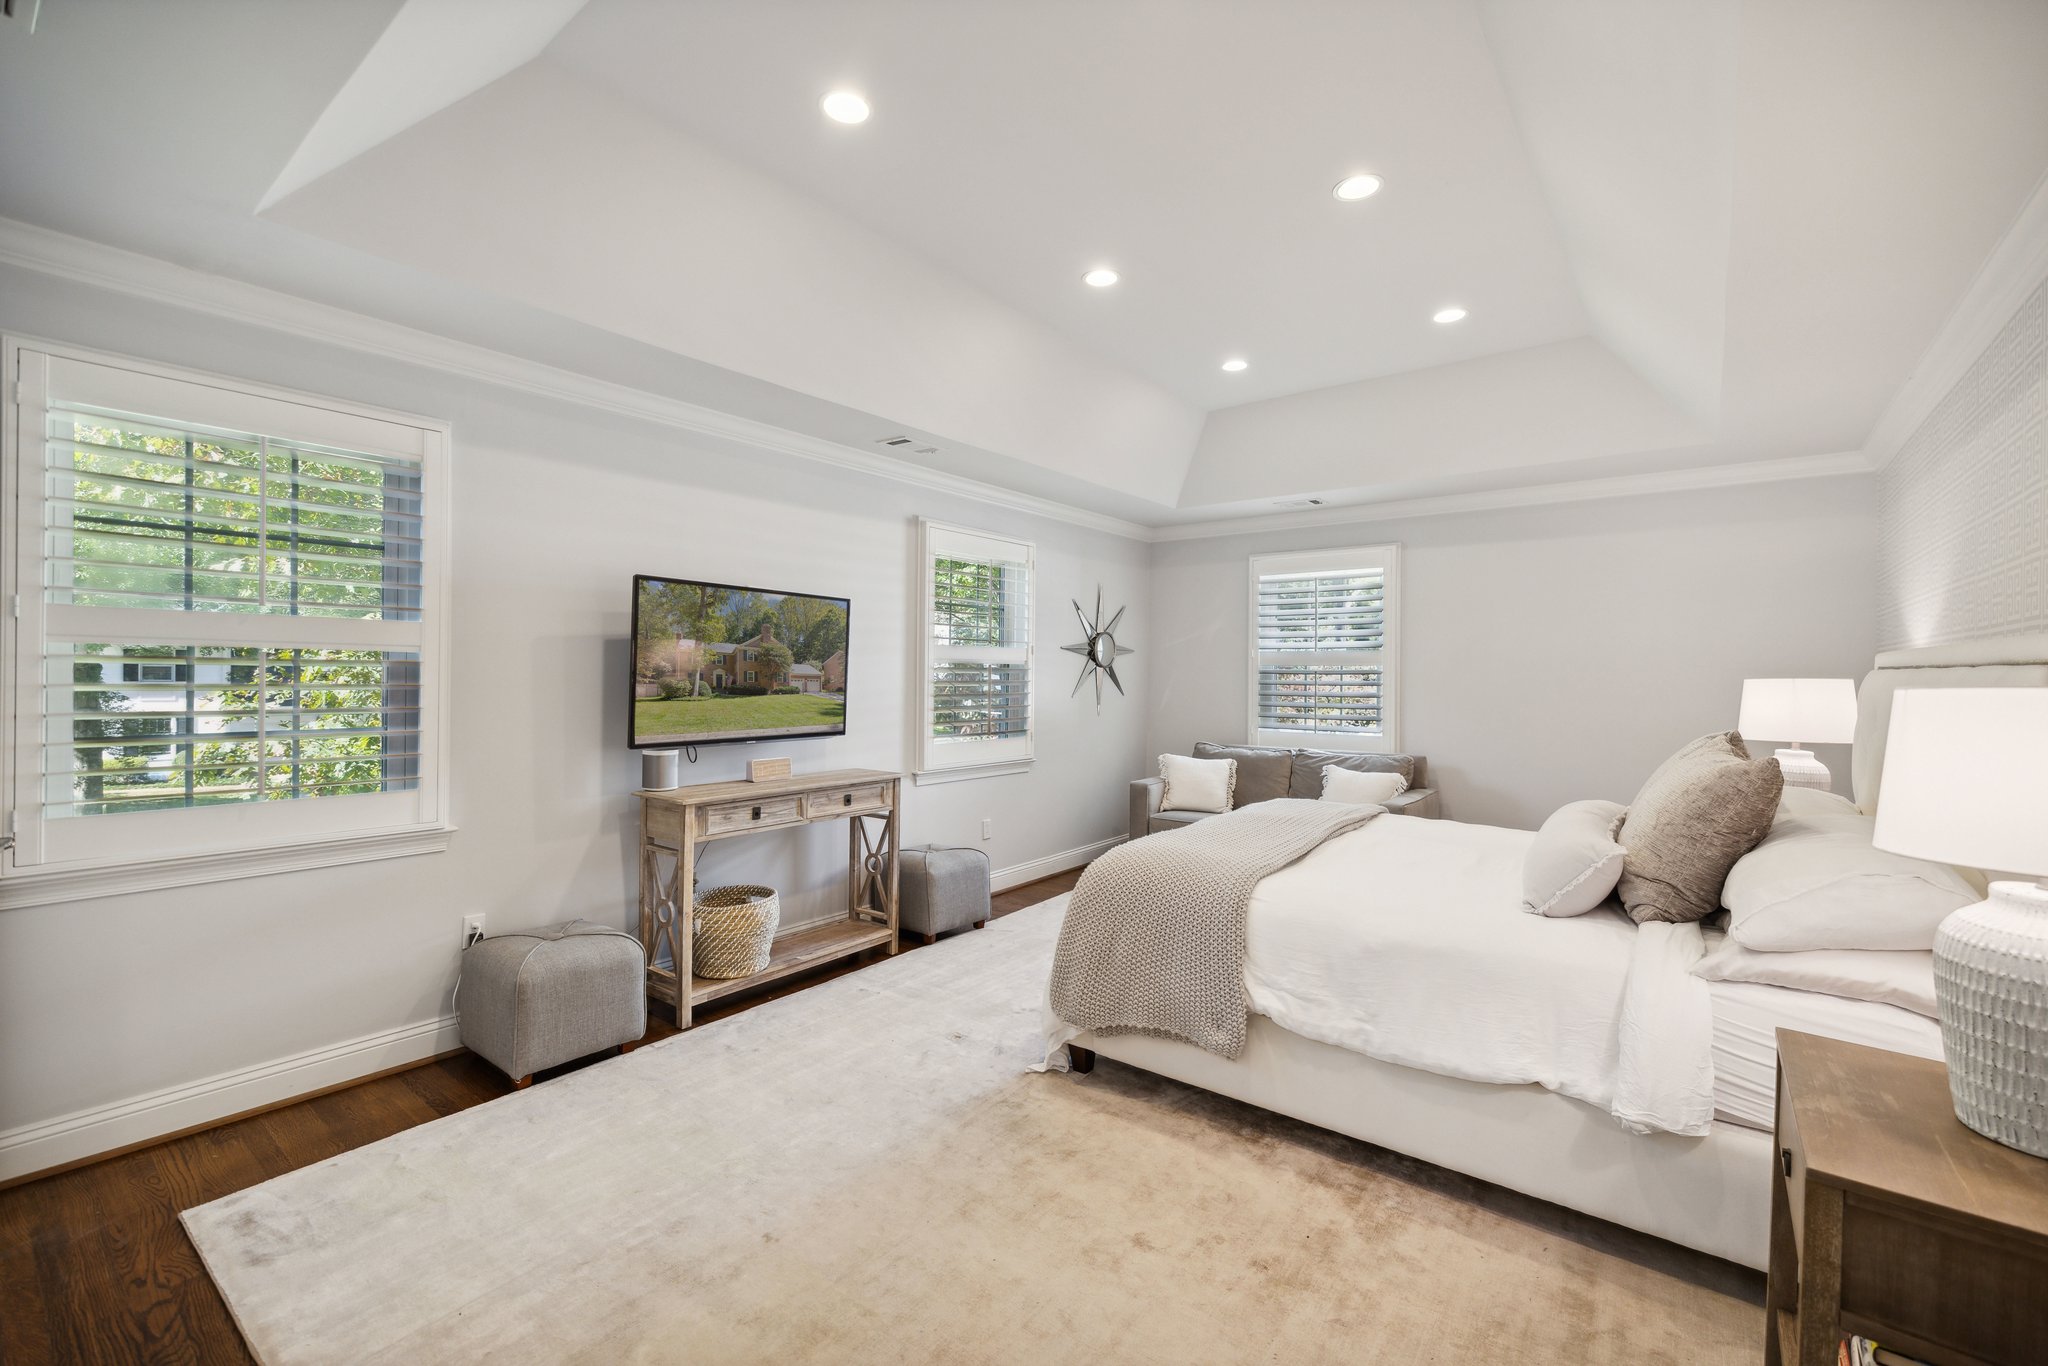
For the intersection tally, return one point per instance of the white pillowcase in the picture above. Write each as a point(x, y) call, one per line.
point(1354, 788)
point(1574, 862)
point(1197, 784)
point(1889, 977)
point(1816, 882)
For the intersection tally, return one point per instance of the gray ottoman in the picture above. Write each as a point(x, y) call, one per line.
point(539, 998)
point(943, 889)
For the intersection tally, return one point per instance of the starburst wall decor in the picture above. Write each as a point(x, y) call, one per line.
point(1099, 652)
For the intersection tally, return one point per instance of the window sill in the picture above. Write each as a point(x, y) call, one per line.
point(43, 887)
point(960, 775)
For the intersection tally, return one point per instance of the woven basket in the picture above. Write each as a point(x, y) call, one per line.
point(735, 931)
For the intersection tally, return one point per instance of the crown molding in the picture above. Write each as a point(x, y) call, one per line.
point(94, 263)
point(2013, 271)
point(1834, 466)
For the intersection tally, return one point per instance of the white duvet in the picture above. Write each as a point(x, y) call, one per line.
point(1405, 940)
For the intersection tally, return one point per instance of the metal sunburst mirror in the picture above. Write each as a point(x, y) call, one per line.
point(1099, 652)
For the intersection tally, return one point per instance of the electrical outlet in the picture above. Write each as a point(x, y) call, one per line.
point(988, 829)
point(472, 929)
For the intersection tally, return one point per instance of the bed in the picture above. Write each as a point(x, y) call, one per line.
point(1399, 995)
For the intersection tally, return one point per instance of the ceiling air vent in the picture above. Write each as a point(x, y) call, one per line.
point(892, 441)
point(1299, 503)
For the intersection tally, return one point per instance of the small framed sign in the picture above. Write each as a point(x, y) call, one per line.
point(761, 770)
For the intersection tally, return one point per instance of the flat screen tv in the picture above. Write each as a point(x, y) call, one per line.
point(714, 663)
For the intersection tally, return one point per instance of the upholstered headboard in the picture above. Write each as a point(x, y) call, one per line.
point(2003, 662)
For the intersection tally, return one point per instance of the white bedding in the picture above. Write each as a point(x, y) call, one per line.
point(1404, 940)
point(1748, 1015)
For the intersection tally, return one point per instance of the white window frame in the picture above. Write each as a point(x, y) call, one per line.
point(138, 851)
point(1385, 558)
point(953, 761)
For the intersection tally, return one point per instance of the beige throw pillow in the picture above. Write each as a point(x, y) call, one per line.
point(1705, 807)
point(1196, 784)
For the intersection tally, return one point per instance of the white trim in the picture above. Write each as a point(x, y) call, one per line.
point(960, 775)
point(1016, 875)
point(44, 888)
point(105, 267)
point(87, 1133)
point(1838, 465)
point(2012, 272)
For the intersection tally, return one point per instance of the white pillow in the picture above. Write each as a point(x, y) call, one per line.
point(1197, 784)
point(1574, 861)
point(1816, 882)
point(1894, 978)
point(1350, 786)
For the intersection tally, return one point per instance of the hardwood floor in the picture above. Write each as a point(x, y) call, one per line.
point(94, 1266)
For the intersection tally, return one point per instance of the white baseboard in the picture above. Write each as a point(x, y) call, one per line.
point(1003, 879)
point(108, 1128)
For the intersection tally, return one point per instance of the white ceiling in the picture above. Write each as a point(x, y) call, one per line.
point(1692, 233)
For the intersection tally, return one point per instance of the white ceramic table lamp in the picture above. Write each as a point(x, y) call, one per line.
point(1818, 711)
point(1966, 782)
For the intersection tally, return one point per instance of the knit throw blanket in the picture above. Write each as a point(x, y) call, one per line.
point(1154, 937)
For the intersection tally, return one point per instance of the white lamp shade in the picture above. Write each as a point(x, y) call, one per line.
point(1807, 711)
point(1965, 773)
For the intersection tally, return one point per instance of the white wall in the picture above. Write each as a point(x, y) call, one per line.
point(1555, 653)
point(159, 1005)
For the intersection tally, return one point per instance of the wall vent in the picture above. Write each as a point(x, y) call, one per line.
point(1299, 503)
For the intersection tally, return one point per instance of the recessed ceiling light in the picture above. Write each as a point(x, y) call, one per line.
point(843, 106)
point(1449, 315)
point(1235, 364)
point(1357, 187)
point(1102, 277)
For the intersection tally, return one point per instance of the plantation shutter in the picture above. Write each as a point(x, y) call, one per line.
point(226, 610)
point(1322, 647)
point(977, 649)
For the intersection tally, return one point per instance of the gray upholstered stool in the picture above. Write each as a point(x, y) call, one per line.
point(943, 889)
point(539, 998)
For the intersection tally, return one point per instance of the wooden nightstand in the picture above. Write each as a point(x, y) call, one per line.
point(1891, 1220)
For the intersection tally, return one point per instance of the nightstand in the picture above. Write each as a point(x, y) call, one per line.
point(1891, 1220)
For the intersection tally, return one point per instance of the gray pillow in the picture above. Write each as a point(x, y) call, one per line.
point(1261, 773)
point(1705, 807)
point(1309, 764)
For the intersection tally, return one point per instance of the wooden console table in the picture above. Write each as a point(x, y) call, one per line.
point(674, 822)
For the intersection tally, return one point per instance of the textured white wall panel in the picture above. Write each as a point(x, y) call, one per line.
point(1963, 508)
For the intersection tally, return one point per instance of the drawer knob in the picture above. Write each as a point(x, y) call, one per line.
point(846, 800)
point(757, 813)
point(1785, 1159)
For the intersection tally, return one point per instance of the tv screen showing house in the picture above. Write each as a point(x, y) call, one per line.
point(713, 662)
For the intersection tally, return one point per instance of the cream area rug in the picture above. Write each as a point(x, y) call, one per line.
point(865, 1172)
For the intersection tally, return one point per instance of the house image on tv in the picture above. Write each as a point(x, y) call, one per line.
point(835, 672)
point(745, 664)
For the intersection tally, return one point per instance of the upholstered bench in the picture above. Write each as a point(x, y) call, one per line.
point(1263, 774)
point(539, 998)
point(942, 890)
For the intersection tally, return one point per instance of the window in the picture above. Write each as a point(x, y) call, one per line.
point(1325, 626)
point(226, 633)
point(975, 655)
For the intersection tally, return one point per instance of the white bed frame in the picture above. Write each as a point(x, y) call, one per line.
point(1712, 1193)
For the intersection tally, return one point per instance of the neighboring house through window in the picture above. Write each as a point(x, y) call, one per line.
point(228, 633)
point(1324, 633)
point(975, 604)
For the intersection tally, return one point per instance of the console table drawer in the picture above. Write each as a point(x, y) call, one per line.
point(723, 820)
point(839, 801)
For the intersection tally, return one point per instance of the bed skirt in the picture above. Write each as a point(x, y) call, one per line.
point(1712, 1193)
